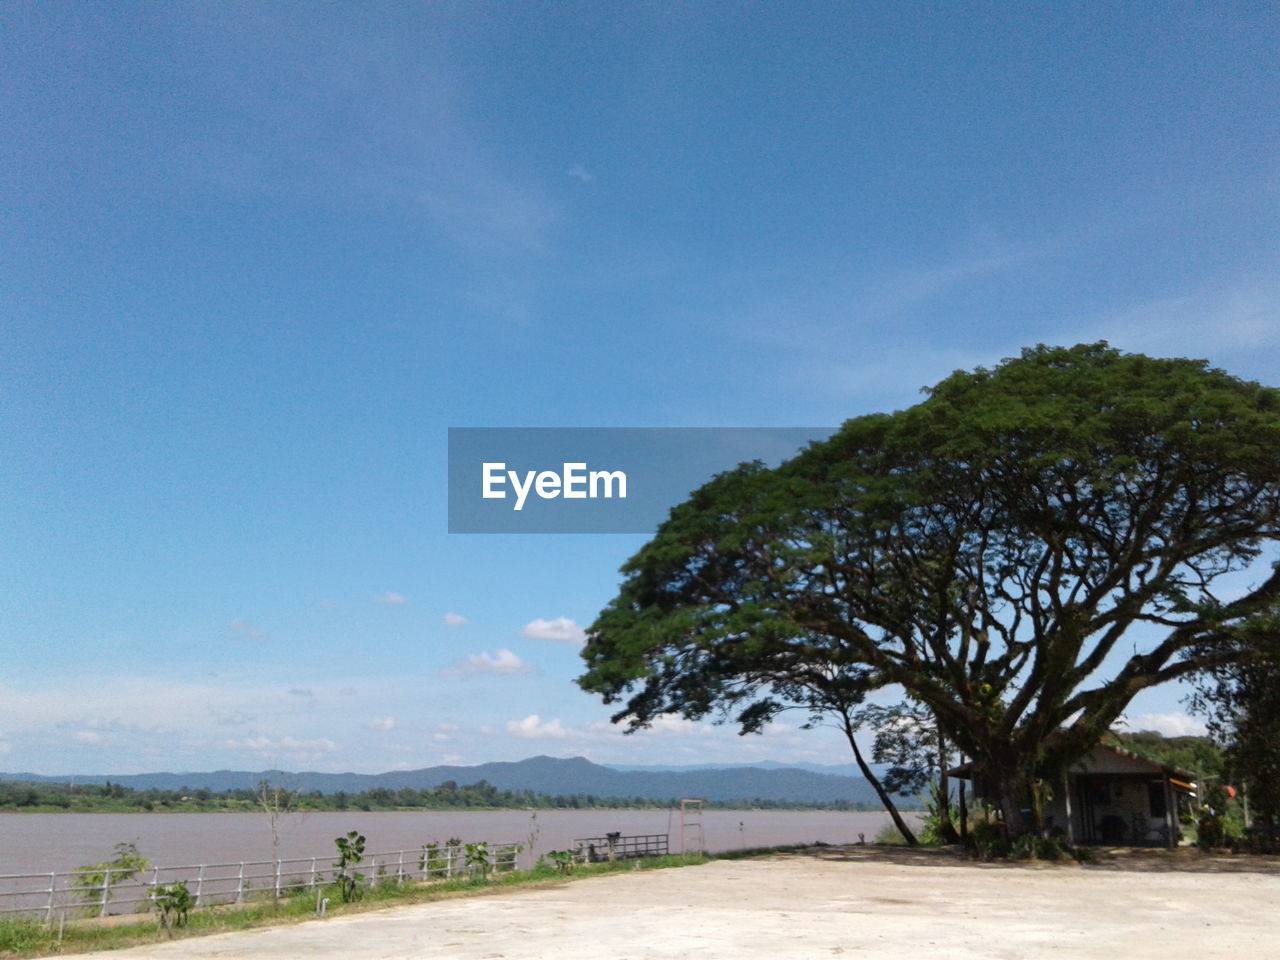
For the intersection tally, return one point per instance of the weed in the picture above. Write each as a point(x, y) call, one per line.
point(350, 854)
point(174, 902)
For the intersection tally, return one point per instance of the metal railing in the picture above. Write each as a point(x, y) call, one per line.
point(115, 890)
point(614, 846)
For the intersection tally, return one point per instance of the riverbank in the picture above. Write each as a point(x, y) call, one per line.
point(40, 843)
point(828, 902)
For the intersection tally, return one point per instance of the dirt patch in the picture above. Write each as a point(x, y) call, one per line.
point(852, 901)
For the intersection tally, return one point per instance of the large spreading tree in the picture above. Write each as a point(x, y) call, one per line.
point(1023, 552)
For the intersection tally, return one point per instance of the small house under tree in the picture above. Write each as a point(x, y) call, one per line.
point(1115, 797)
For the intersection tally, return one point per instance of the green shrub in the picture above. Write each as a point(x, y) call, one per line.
point(350, 854)
point(92, 877)
point(174, 901)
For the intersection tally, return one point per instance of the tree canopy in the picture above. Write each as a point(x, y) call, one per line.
point(1023, 552)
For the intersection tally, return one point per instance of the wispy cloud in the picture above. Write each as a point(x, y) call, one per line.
point(1235, 324)
point(878, 333)
point(230, 718)
point(581, 173)
point(533, 727)
point(1170, 724)
point(452, 619)
point(296, 748)
point(503, 663)
point(382, 723)
point(561, 630)
point(390, 597)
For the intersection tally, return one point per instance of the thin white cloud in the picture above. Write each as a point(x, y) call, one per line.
point(305, 692)
point(502, 663)
point(532, 728)
point(230, 718)
point(452, 619)
point(88, 736)
point(382, 723)
point(250, 744)
point(561, 630)
point(297, 747)
point(1170, 724)
point(390, 597)
point(581, 173)
point(1236, 325)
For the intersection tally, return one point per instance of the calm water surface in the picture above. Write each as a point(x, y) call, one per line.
point(60, 841)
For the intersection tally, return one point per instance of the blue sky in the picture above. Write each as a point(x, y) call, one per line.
point(256, 259)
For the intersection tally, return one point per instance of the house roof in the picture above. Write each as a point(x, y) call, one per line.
point(1106, 764)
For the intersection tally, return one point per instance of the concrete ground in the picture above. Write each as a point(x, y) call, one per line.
point(834, 902)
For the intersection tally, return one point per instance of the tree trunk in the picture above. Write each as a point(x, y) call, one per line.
point(945, 826)
point(1011, 792)
point(876, 785)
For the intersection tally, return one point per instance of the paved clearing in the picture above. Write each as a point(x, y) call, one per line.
point(855, 902)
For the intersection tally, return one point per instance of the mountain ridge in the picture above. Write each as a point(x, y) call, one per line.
point(540, 774)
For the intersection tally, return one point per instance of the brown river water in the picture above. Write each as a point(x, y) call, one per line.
point(35, 842)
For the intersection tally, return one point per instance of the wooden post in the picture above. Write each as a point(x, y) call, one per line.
point(1066, 803)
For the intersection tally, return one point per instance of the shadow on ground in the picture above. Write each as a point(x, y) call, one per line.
point(1127, 859)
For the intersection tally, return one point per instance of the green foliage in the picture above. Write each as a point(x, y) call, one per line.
point(477, 855)
point(91, 878)
point(992, 549)
point(1031, 847)
point(1241, 701)
point(1197, 755)
point(430, 860)
point(890, 836)
point(933, 826)
point(989, 839)
point(59, 797)
point(350, 855)
point(174, 901)
point(564, 860)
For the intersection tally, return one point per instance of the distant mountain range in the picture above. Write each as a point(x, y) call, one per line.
point(540, 774)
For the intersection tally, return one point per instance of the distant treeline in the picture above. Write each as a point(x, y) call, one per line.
point(114, 798)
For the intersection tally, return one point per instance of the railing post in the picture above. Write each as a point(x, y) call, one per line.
point(373, 872)
point(400, 869)
point(279, 865)
point(240, 884)
point(106, 890)
point(53, 887)
point(313, 873)
point(199, 884)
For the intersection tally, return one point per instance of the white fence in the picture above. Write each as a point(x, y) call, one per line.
point(104, 891)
